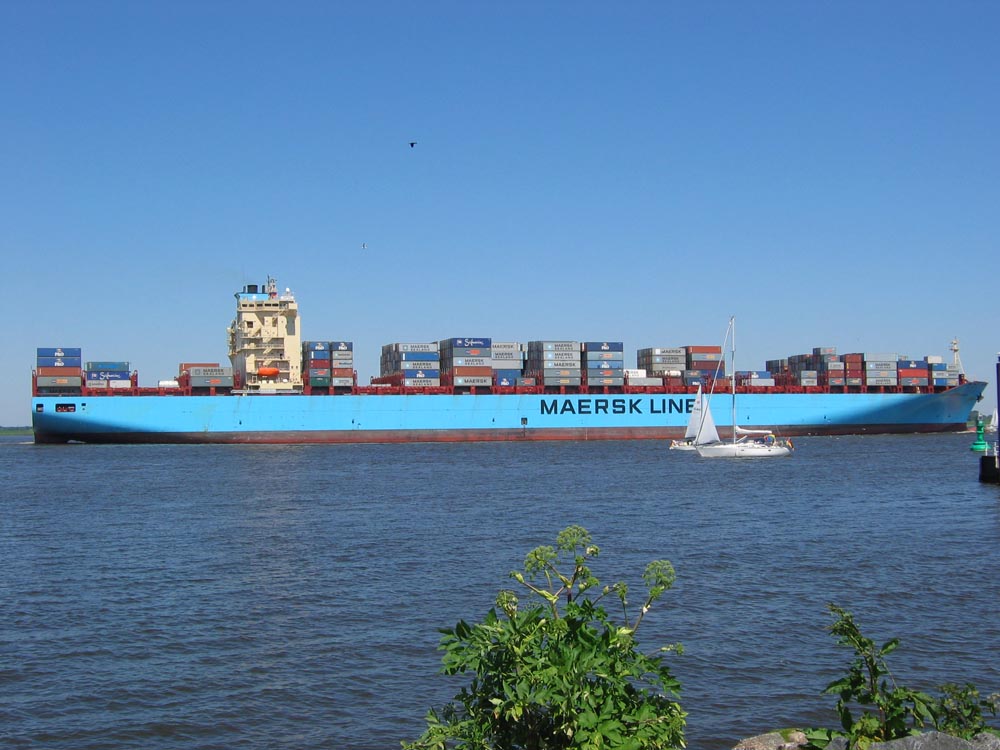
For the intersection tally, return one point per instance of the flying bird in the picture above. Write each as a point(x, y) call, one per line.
point(412, 144)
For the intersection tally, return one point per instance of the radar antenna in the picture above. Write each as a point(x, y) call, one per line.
point(957, 359)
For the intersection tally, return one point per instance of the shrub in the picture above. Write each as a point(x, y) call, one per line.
point(559, 673)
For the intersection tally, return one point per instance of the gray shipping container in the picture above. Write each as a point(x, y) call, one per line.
point(883, 381)
point(561, 381)
point(606, 381)
point(422, 382)
point(471, 380)
point(554, 346)
point(203, 381)
point(645, 381)
point(205, 372)
point(57, 382)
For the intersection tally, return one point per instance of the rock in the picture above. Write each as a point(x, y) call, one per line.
point(925, 741)
point(986, 741)
point(772, 741)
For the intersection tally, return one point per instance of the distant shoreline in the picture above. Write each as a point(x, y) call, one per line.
point(15, 430)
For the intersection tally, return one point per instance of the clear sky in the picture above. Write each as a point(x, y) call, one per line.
point(637, 172)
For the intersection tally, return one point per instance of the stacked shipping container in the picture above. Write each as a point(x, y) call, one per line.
point(107, 374)
point(328, 363)
point(467, 361)
point(554, 363)
point(604, 363)
point(508, 363)
point(824, 367)
point(415, 364)
point(59, 368)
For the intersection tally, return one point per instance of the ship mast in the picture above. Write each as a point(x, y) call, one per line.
point(957, 360)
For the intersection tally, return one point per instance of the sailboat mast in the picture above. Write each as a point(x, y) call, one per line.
point(732, 371)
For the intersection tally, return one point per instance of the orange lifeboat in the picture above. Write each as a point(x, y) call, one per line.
point(267, 372)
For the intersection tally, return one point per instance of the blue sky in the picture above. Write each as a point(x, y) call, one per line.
point(827, 172)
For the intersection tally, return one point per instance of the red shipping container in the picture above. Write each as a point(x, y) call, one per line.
point(703, 349)
point(341, 372)
point(59, 372)
point(473, 372)
point(912, 372)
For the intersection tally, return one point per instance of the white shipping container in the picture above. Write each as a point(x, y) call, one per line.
point(635, 373)
point(882, 381)
point(429, 347)
point(656, 351)
point(119, 383)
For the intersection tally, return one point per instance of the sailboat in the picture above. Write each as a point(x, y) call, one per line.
point(744, 443)
point(700, 427)
point(992, 426)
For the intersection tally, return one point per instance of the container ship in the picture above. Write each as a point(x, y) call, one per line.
point(281, 388)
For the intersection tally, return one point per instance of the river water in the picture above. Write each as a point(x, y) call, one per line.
point(289, 596)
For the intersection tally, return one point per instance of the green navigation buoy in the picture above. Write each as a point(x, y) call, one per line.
point(979, 444)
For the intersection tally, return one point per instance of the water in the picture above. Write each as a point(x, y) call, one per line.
point(262, 597)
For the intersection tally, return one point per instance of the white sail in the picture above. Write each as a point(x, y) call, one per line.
point(700, 427)
point(694, 421)
point(707, 433)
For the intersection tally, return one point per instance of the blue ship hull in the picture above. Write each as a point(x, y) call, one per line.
point(455, 418)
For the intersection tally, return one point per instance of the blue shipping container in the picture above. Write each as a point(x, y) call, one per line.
point(107, 374)
point(315, 346)
point(59, 351)
point(60, 362)
point(509, 374)
point(420, 373)
point(341, 346)
point(603, 346)
point(420, 356)
point(471, 342)
point(107, 365)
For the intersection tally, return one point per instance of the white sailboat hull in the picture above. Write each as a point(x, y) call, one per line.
point(744, 450)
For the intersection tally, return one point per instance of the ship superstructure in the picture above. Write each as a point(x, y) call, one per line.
point(265, 339)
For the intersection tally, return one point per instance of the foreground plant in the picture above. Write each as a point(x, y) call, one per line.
point(890, 711)
point(959, 710)
point(559, 673)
